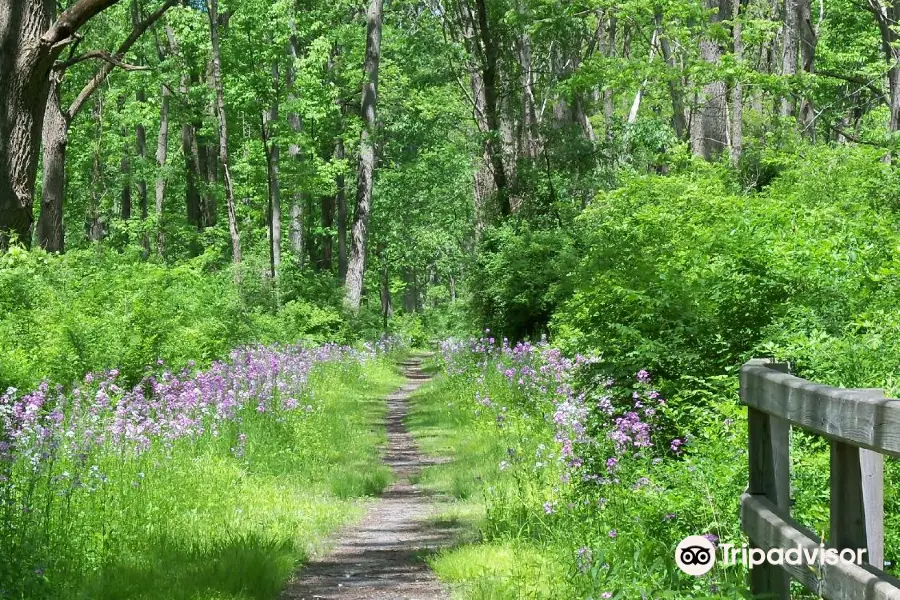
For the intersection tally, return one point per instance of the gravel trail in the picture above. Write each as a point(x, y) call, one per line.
point(382, 557)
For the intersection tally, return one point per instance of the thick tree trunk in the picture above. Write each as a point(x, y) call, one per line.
point(709, 125)
point(530, 140)
point(213, 8)
point(609, 107)
point(125, 200)
point(341, 201)
point(887, 16)
point(55, 139)
point(296, 226)
point(366, 170)
point(50, 230)
point(489, 79)
point(275, 205)
point(140, 134)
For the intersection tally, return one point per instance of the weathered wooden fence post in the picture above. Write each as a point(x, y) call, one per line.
point(770, 476)
point(862, 426)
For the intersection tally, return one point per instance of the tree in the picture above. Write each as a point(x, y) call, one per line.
point(709, 124)
point(30, 43)
point(213, 13)
point(366, 170)
point(57, 121)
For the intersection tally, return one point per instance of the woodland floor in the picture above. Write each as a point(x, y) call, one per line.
point(383, 557)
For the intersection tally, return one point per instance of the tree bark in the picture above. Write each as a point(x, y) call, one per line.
point(296, 231)
point(489, 76)
point(887, 15)
point(341, 201)
point(95, 224)
point(213, 13)
point(709, 125)
point(55, 138)
point(609, 107)
point(366, 170)
point(140, 134)
point(296, 226)
point(387, 306)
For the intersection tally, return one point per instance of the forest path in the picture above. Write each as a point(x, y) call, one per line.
point(382, 558)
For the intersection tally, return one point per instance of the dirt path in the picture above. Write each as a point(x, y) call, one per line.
point(383, 557)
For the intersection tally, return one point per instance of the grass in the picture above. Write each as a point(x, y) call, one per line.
point(490, 563)
point(194, 524)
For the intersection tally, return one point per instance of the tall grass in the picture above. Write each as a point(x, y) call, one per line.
point(191, 485)
point(575, 494)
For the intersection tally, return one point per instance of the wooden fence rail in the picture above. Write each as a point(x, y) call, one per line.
point(862, 426)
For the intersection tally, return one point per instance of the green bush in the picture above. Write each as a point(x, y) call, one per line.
point(689, 275)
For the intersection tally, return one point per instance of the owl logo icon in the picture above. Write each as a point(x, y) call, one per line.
point(695, 555)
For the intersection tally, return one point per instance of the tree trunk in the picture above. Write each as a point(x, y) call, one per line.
point(95, 223)
point(366, 170)
point(790, 37)
point(162, 145)
point(213, 8)
point(296, 231)
point(326, 257)
point(272, 156)
point(709, 126)
point(125, 170)
point(30, 42)
point(489, 77)
point(737, 89)
point(54, 178)
point(676, 89)
point(809, 39)
point(140, 134)
point(609, 108)
point(55, 139)
point(887, 15)
point(387, 307)
point(341, 202)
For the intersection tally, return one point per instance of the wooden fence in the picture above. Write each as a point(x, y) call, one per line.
point(862, 426)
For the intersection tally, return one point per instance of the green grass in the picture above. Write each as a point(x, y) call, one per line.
point(200, 525)
point(490, 563)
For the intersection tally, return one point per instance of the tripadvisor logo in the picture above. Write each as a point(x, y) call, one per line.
point(696, 555)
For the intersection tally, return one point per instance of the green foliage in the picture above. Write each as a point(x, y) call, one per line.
point(518, 279)
point(62, 316)
point(687, 274)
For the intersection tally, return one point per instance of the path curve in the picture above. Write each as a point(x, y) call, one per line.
point(382, 558)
